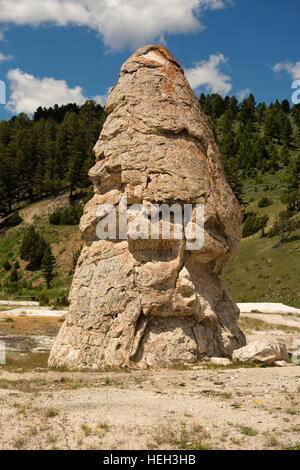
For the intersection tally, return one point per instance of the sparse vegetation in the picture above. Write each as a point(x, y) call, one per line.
point(19, 443)
point(291, 411)
point(248, 431)
point(51, 413)
point(264, 202)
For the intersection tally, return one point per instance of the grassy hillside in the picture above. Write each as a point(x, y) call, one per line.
point(259, 272)
point(64, 241)
point(256, 272)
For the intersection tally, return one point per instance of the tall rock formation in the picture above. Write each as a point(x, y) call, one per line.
point(153, 302)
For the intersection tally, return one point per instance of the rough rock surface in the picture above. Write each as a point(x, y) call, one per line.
point(153, 302)
point(266, 351)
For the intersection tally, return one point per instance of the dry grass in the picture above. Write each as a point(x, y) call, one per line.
point(193, 437)
point(250, 324)
point(51, 413)
point(30, 325)
point(25, 362)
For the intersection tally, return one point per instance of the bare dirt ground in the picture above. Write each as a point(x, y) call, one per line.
point(202, 407)
point(250, 408)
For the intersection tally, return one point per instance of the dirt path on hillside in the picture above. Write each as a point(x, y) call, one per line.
point(44, 207)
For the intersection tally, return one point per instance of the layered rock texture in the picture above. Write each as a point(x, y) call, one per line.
point(267, 351)
point(143, 303)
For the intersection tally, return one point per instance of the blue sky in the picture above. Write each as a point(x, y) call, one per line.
point(57, 51)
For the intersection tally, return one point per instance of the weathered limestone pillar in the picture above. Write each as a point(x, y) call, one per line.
point(143, 303)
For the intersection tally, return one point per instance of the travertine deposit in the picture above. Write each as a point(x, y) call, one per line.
point(143, 303)
point(267, 351)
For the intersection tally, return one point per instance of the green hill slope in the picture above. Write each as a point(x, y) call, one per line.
point(259, 272)
point(64, 240)
point(47, 155)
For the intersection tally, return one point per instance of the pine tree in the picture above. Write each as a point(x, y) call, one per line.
point(248, 110)
point(260, 152)
point(228, 152)
point(284, 226)
point(272, 128)
point(292, 176)
point(296, 113)
point(297, 136)
point(48, 266)
point(234, 106)
point(37, 156)
point(285, 156)
point(285, 106)
point(7, 265)
point(285, 127)
point(32, 249)
point(76, 162)
point(261, 111)
point(14, 276)
point(218, 106)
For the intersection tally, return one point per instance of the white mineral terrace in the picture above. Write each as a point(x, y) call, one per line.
point(262, 307)
point(33, 309)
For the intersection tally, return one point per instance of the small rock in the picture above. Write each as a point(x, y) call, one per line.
point(45, 428)
point(205, 359)
point(266, 351)
point(281, 364)
point(221, 361)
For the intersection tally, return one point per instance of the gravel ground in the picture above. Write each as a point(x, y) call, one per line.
point(246, 408)
point(198, 408)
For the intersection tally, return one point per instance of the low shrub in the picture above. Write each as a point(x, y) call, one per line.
point(265, 202)
point(68, 216)
point(253, 224)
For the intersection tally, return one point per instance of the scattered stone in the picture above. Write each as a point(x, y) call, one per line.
point(153, 302)
point(221, 361)
point(266, 351)
point(281, 364)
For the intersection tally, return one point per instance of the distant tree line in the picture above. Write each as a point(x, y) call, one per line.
point(255, 138)
point(52, 152)
point(48, 154)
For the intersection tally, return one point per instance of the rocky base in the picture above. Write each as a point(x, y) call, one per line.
point(156, 343)
point(151, 314)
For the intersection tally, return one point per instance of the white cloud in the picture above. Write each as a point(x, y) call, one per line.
point(241, 95)
point(28, 92)
point(121, 23)
point(292, 68)
point(4, 58)
point(208, 74)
